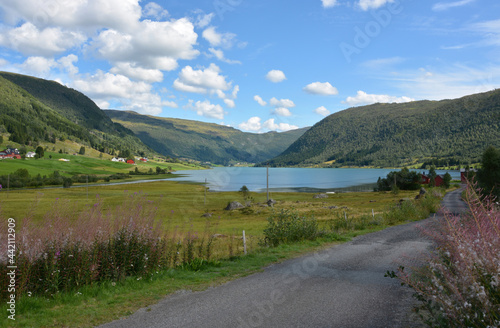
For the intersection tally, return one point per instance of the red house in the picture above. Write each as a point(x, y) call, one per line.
point(425, 179)
point(130, 161)
point(439, 181)
point(144, 160)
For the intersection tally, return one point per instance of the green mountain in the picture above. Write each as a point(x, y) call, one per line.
point(33, 109)
point(204, 141)
point(389, 135)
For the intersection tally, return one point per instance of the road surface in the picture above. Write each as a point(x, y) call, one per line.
point(343, 286)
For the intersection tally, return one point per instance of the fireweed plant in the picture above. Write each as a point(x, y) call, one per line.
point(71, 249)
point(460, 285)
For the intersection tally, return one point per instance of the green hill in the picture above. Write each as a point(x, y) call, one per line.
point(204, 141)
point(448, 132)
point(33, 109)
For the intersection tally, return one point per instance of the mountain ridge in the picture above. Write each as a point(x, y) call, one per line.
point(453, 131)
point(208, 142)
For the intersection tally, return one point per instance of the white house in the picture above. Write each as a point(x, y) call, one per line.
point(30, 154)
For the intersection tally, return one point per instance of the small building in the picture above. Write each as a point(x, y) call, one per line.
point(439, 181)
point(30, 154)
point(143, 159)
point(425, 179)
point(130, 161)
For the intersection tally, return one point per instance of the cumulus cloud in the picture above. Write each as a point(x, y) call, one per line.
point(137, 73)
point(202, 81)
point(86, 15)
point(207, 109)
point(322, 111)
point(329, 3)
point(137, 96)
point(253, 124)
point(259, 100)
point(156, 45)
point(287, 103)
point(224, 40)
point(363, 98)
point(31, 41)
point(203, 20)
point(42, 67)
point(282, 111)
point(318, 88)
point(271, 125)
point(219, 54)
point(276, 76)
point(155, 11)
point(373, 4)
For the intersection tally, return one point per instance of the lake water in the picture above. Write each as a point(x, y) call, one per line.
point(290, 179)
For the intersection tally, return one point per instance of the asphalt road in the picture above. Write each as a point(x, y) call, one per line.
point(343, 286)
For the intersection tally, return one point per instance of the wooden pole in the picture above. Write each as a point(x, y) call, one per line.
point(267, 181)
point(244, 243)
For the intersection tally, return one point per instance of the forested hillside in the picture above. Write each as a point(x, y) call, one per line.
point(450, 131)
point(33, 109)
point(204, 141)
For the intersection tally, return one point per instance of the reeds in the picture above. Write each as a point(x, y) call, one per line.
point(460, 286)
point(70, 249)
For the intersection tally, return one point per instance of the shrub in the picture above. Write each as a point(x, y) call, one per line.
point(287, 226)
point(460, 286)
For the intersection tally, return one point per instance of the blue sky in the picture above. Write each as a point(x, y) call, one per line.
point(255, 65)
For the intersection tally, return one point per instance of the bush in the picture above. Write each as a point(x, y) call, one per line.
point(460, 286)
point(288, 226)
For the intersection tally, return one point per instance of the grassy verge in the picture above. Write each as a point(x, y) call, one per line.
point(181, 206)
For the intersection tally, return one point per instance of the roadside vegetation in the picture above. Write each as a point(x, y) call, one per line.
point(460, 284)
point(122, 249)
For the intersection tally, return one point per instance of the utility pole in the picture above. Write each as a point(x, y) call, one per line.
point(267, 181)
point(205, 199)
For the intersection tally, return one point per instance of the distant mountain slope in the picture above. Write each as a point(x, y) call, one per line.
point(43, 109)
point(204, 141)
point(454, 131)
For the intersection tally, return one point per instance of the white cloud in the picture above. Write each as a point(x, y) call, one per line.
point(137, 96)
point(224, 40)
point(87, 15)
point(275, 76)
point(137, 73)
point(287, 103)
point(155, 11)
point(253, 124)
point(363, 98)
point(269, 124)
point(207, 109)
point(329, 3)
point(259, 100)
point(38, 66)
point(154, 45)
point(441, 6)
point(229, 103)
point(282, 111)
point(373, 4)
point(318, 88)
point(322, 111)
point(203, 20)
point(219, 54)
point(31, 41)
point(201, 81)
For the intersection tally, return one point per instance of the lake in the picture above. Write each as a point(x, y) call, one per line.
point(290, 179)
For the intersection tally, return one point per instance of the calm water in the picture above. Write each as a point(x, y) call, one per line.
point(289, 179)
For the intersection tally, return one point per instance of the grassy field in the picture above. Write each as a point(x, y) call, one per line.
point(179, 205)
